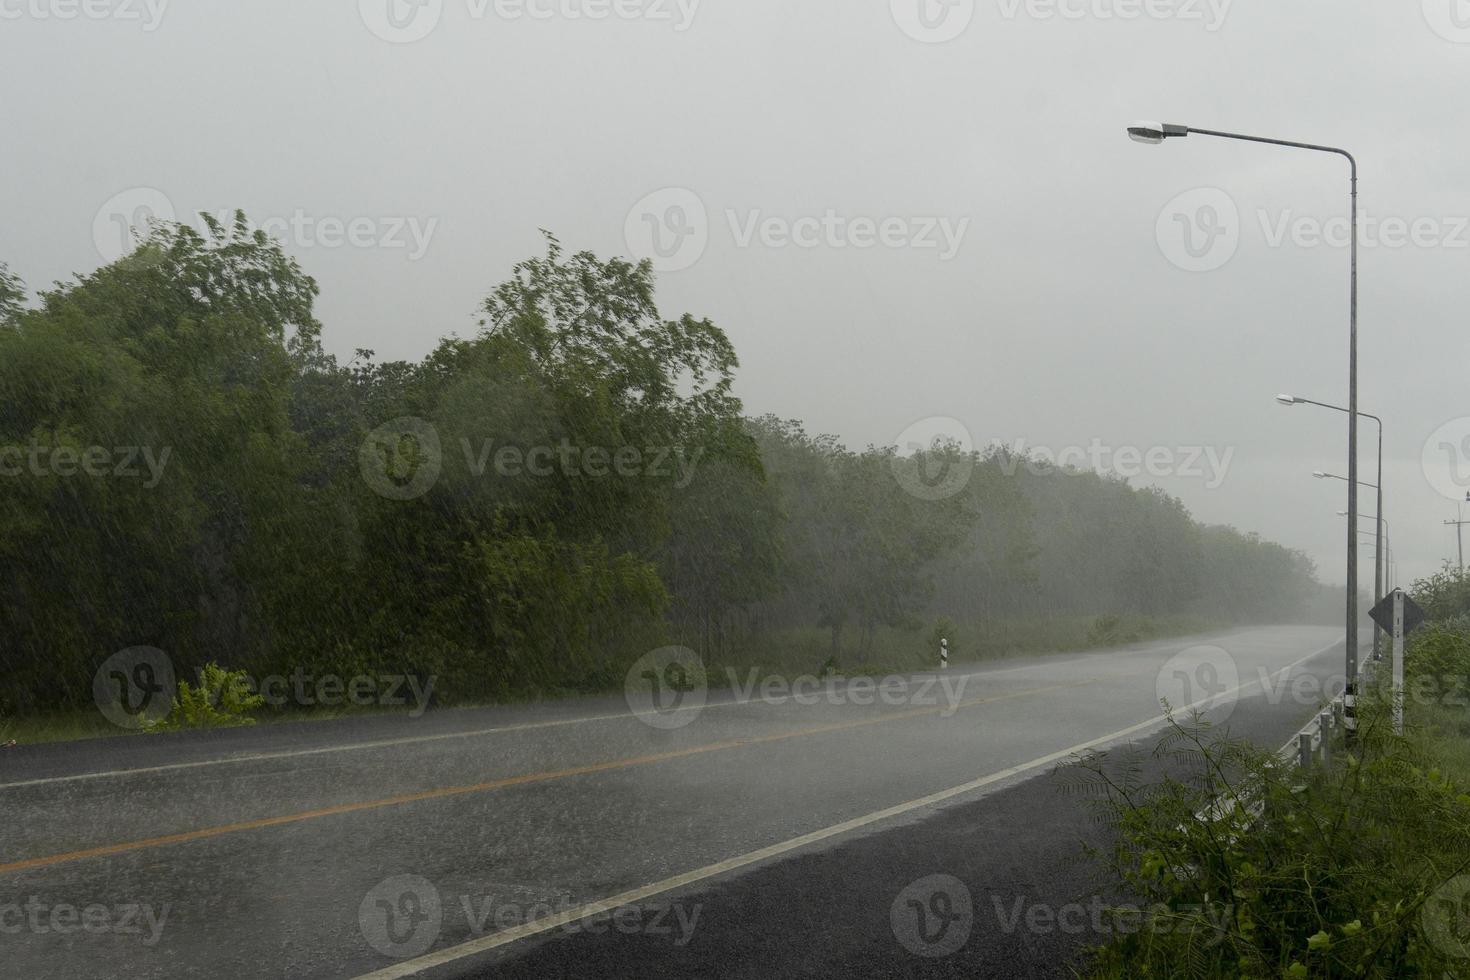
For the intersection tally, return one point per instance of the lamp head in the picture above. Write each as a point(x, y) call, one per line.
point(1147, 131)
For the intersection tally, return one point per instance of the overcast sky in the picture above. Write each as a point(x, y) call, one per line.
point(899, 211)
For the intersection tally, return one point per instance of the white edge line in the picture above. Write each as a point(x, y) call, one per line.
point(483, 944)
point(477, 733)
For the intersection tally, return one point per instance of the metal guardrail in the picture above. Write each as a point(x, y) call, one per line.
point(1315, 740)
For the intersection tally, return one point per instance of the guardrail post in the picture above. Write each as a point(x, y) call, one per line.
point(1324, 726)
point(1304, 750)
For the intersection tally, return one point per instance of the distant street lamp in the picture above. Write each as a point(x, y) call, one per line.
point(1380, 567)
point(1154, 132)
point(1333, 476)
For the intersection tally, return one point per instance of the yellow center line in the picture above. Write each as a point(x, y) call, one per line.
point(522, 780)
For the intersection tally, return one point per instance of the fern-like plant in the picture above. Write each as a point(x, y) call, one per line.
point(222, 699)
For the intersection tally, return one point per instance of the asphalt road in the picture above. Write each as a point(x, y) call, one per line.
point(909, 828)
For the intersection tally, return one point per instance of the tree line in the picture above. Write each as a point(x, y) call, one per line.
point(524, 511)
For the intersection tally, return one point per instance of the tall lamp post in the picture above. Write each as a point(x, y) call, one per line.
point(1153, 132)
point(1380, 569)
point(1383, 553)
point(1321, 475)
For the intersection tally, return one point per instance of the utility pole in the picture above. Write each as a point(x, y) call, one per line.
point(1458, 523)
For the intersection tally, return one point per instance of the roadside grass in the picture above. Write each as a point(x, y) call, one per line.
point(786, 654)
point(60, 726)
point(1444, 734)
point(79, 724)
point(1360, 868)
point(1347, 871)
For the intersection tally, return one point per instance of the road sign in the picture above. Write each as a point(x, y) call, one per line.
point(1383, 614)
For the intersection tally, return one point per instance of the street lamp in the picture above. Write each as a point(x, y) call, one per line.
point(1319, 474)
point(1155, 132)
point(1385, 564)
point(1380, 568)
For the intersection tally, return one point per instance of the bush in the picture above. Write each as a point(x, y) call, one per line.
point(1439, 654)
point(1337, 877)
point(221, 700)
point(1443, 595)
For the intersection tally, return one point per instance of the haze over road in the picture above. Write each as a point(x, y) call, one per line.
point(364, 845)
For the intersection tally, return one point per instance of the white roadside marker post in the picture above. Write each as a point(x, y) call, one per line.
point(944, 653)
point(1398, 661)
